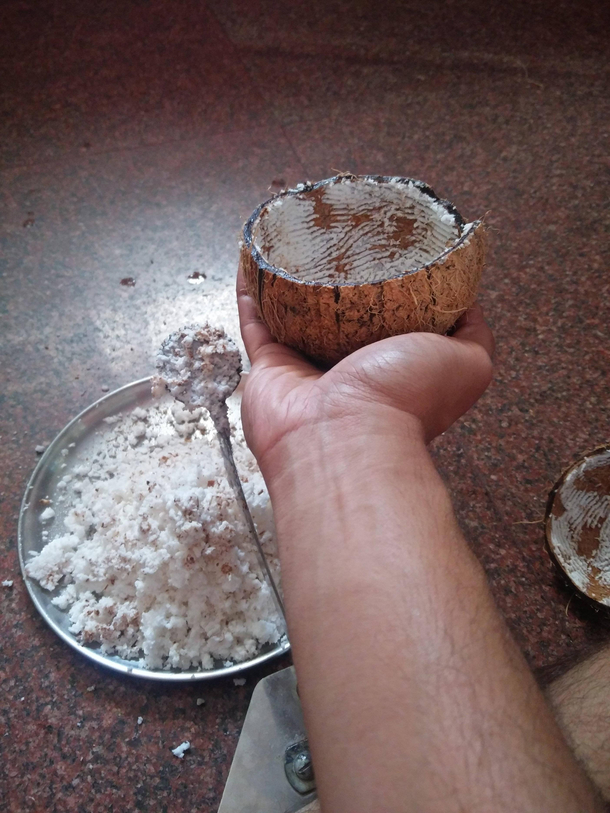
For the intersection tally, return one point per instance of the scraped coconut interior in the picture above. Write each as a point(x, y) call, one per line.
point(354, 232)
point(578, 525)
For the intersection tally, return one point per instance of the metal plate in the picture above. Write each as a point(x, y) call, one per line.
point(53, 465)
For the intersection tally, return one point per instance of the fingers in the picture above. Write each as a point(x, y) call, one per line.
point(472, 327)
point(255, 334)
point(435, 378)
point(261, 347)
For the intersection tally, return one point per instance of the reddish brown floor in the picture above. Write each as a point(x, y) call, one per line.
point(135, 137)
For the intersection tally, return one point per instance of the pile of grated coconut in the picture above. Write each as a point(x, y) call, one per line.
point(153, 562)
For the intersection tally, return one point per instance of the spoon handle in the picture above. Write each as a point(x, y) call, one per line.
point(229, 460)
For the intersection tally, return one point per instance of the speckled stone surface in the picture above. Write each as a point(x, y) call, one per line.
point(134, 140)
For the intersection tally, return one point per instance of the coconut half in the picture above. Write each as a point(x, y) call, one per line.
point(578, 524)
point(336, 265)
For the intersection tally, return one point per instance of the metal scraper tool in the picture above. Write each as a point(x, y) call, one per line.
point(271, 770)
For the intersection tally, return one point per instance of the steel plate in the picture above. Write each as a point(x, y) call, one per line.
point(63, 454)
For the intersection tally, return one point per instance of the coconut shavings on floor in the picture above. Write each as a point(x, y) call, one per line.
point(180, 750)
point(148, 552)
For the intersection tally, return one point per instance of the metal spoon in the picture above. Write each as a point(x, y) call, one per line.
point(201, 367)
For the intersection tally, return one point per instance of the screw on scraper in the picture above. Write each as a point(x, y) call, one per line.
point(201, 367)
point(258, 781)
point(299, 767)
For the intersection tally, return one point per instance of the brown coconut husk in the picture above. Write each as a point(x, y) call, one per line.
point(577, 509)
point(328, 319)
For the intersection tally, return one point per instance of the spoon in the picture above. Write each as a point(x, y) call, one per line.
point(201, 367)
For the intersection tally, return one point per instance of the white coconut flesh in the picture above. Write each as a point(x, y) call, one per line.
point(578, 525)
point(355, 231)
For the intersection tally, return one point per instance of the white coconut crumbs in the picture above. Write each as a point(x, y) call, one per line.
point(152, 560)
point(7, 583)
point(200, 366)
point(47, 515)
point(179, 750)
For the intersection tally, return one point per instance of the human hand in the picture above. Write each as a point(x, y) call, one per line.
point(433, 379)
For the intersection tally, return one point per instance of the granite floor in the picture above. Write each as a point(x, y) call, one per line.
point(135, 138)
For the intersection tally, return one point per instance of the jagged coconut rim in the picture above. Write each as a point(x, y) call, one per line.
point(263, 265)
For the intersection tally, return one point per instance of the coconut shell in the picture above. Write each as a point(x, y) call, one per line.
point(327, 319)
point(577, 524)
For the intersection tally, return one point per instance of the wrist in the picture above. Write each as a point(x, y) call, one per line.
point(323, 448)
point(350, 481)
point(348, 501)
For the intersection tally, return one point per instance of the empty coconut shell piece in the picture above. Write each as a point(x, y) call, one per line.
point(341, 263)
point(578, 524)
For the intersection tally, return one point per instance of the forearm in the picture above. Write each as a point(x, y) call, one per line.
point(435, 709)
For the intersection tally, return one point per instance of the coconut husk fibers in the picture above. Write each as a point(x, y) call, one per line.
point(328, 319)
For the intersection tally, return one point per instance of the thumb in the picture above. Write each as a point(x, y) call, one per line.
point(434, 378)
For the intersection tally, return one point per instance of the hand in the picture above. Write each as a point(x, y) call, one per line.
point(434, 379)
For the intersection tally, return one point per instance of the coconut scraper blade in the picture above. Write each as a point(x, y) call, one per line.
point(269, 773)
